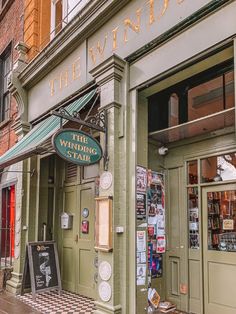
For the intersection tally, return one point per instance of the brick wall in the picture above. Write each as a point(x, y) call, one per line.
point(37, 25)
point(31, 27)
point(11, 30)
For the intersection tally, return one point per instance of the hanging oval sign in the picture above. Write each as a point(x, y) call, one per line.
point(77, 147)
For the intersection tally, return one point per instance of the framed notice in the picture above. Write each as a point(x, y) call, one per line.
point(103, 225)
point(41, 270)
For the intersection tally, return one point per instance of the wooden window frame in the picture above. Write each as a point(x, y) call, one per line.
point(181, 89)
point(4, 113)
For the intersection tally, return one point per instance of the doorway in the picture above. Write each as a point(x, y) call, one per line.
point(78, 253)
point(78, 256)
point(219, 248)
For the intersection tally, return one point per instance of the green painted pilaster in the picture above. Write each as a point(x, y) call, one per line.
point(110, 76)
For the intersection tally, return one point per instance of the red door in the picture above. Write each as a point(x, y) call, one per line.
point(8, 222)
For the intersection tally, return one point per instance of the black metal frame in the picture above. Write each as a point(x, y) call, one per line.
point(96, 122)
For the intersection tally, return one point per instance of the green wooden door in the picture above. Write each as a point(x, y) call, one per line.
point(176, 251)
point(85, 253)
point(219, 249)
point(78, 252)
point(68, 253)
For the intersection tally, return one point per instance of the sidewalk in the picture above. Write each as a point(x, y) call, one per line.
point(46, 303)
point(9, 304)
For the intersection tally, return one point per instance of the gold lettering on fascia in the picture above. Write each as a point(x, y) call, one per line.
point(76, 70)
point(92, 55)
point(166, 4)
point(132, 25)
point(65, 77)
point(114, 33)
point(52, 87)
point(151, 12)
point(154, 14)
point(100, 49)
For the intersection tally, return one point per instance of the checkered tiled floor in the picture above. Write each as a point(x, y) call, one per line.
point(66, 303)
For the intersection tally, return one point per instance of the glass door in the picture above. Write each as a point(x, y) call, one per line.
point(219, 249)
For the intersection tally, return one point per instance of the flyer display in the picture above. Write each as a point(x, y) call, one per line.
point(156, 223)
point(141, 258)
point(141, 215)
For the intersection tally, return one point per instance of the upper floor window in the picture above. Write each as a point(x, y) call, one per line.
point(5, 68)
point(62, 11)
point(195, 99)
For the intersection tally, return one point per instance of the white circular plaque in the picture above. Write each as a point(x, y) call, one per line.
point(105, 271)
point(106, 180)
point(104, 290)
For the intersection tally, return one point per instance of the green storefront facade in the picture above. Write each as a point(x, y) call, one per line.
point(163, 72)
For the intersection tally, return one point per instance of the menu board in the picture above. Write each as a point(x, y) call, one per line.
point(42, 264)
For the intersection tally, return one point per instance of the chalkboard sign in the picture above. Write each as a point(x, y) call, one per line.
point(42, 264)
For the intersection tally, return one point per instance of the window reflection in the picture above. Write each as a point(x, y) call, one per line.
point(173, 110)
point(192, 172)
point(205, 99)
point(218, 168)
point(229, 89)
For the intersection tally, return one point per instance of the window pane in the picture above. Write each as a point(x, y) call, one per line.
point(6, 107)
point(75, 6)
point(192, 172)
point(173, 110)
point(229, 90)
point(205, 99)
point(58, 16)
point(221, 221)
point(6, 71)
point(193, 217)
point(218, 168)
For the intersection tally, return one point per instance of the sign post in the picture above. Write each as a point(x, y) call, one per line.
point(41, 270)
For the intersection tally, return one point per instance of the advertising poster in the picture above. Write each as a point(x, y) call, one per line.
point(141, 179)
point(141, 206)
point(141, 257)
point(156, 266)
point(141, 274)
point(161, 244)
point(150, 253)
point(141, 241)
